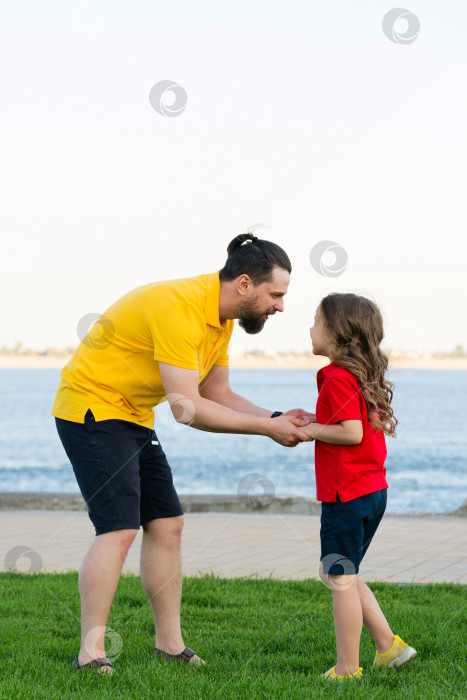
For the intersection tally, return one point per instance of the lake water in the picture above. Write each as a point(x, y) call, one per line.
point(426, 464)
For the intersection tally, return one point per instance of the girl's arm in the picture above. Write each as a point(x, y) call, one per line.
point(346, 432)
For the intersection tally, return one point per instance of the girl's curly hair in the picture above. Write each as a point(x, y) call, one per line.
point(354, 326)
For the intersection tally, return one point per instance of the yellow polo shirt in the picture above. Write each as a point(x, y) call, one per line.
point(115, 369)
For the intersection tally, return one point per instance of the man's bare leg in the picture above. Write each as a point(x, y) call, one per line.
point(161, 576)
point(98, 581)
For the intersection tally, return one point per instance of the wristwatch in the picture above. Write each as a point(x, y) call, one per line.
point(276, 413)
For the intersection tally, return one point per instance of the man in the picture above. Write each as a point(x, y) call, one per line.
point(166, 340)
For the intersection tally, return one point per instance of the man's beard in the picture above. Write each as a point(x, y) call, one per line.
point(248, 317)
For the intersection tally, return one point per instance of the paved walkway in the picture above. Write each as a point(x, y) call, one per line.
point(405, 549)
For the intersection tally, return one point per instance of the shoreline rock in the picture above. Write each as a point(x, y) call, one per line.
point(197, 503)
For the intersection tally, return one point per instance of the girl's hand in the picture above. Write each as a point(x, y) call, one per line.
point(288, 430)
point(301, 413)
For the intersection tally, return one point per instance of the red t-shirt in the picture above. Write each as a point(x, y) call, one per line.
point(349, 470)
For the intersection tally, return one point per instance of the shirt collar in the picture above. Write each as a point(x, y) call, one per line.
point(321, 374)
point(211, 310)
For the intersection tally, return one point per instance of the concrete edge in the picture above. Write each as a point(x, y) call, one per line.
point(196, 503)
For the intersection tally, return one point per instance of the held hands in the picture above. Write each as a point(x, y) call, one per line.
point(285, 429)
point(301, 413)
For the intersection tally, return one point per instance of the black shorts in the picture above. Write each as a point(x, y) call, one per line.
point(121, 470)
point(347, 530)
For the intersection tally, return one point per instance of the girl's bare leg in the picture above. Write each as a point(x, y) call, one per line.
point(373, 619)
point(348, 620)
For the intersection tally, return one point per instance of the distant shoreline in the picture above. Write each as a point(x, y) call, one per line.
point(197, 503)
point(239, 362)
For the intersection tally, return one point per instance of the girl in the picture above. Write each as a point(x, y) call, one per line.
point(353, 413)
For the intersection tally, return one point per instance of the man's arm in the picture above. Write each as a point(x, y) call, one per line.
point(346, 432)
point(192, 408)
point(216, 387)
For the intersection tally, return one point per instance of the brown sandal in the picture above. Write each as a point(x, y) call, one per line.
point(184, 656)
point(101, 661)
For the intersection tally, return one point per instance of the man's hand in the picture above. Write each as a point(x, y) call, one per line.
point(301, 413)
point(286, 431)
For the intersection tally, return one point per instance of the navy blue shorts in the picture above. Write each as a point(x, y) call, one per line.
point(347, 530)
point(123, 476)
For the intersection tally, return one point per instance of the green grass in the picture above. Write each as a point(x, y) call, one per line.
point(262, 638)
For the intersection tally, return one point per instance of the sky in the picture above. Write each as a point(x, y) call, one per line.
point(305, 117)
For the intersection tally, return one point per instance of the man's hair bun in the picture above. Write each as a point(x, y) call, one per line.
point(240, 240)
point(254, 257)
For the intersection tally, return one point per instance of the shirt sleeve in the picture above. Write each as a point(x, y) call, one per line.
point(177, 331)
point(223, 359)
point(343, 397)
